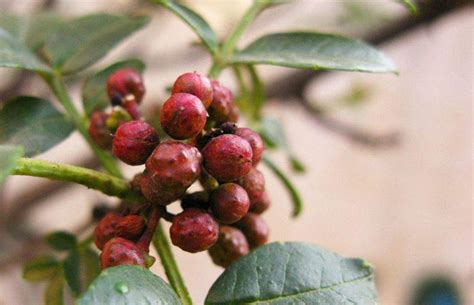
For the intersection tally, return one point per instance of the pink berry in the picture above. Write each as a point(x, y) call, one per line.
point(230, 246)
point(134, 141)
point(119, 251)
point(253, 183)
point(229, 203)
point(195, 84)
point(255, 142)
point(227, 157)
point(221, 103)
point(123, 83)
point(183, 116)
point(194, 230)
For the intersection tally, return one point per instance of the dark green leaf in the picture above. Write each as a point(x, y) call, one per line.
point(294, 194)
point(128, 285)
point(314, 51)
point(34, 124)
point(54, 294)
point(31, 30)
point(61, 240)
point(195, 21)
point(410, 6)
point(85, 40)
point(94, 93)
point(9, 154)
point(72, 272)
point(40, 268)
point(15, 54)
point(295, 273)
point(90, 266)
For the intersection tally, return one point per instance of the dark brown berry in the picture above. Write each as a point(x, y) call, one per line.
point(134, 141)
point(229, 203)
point(194, 230)
point(221, 103)
point(171, 168)
point(119, 251)
point(198, 200)
point(254, 228)
point(195, 84)
point(227, 157)
point(255, 142)
point(253, 183)
point(105, 229)
point(98, 130)
point(183, 116)
point(123, 83)
point(260, 204)
point(230, 246)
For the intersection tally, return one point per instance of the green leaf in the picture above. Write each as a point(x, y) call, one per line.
point(34, 124)
point(294, 194)
point(31, 30)
point(90, 266)
point(314, 51)
point(40, 268)
point(94, 91)
point(54, 294)
point(410, 6)
point(195, 21)
point(61, 240)
point(9, 155)
point(72, 272)
point(128, 285)
point(295, 273)
point(85, 40)
point(14, 54)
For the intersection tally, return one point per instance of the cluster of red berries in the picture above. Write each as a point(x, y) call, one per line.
point(223, 218)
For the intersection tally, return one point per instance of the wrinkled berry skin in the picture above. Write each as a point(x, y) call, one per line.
point(112, 225)
point(134, 141)
point(119, 251)
point(98, 130)
point(255, 142)
point(125, 82)
point(229, 203)
point(183, 116)
point(198, 200)
point(105, 229)
point(194, 230)
point(260, 204)
point(195, 84)
point(254, 228)
point(230, 246)
point(222, 102)
point(171, 169)
point(227, 157)
point(253, 183)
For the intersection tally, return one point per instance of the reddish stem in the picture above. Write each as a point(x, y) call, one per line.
point(145, 240)
point(132, 107)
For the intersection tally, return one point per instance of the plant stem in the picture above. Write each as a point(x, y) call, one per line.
point(105, 183)
point(160, 242)
point(58, 87)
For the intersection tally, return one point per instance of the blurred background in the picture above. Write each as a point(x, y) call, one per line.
point(388, 158)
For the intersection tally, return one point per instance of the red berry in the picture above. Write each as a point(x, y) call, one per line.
point(171, 168)
point(123, 83)
point(105, 229)
point(98, 130)
point(260, 204)
point(119, 251)
point(183, 116)
point(255, 142)
point(195, 84)
point(253, 183)
point(254, 228)
point(136, 182)
point(221, 105)
point(130, 227)
point(134, 141)
point(229, 203)
point(230, 246)
point(227, 157)
point(234, 113)
point(194, 230)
